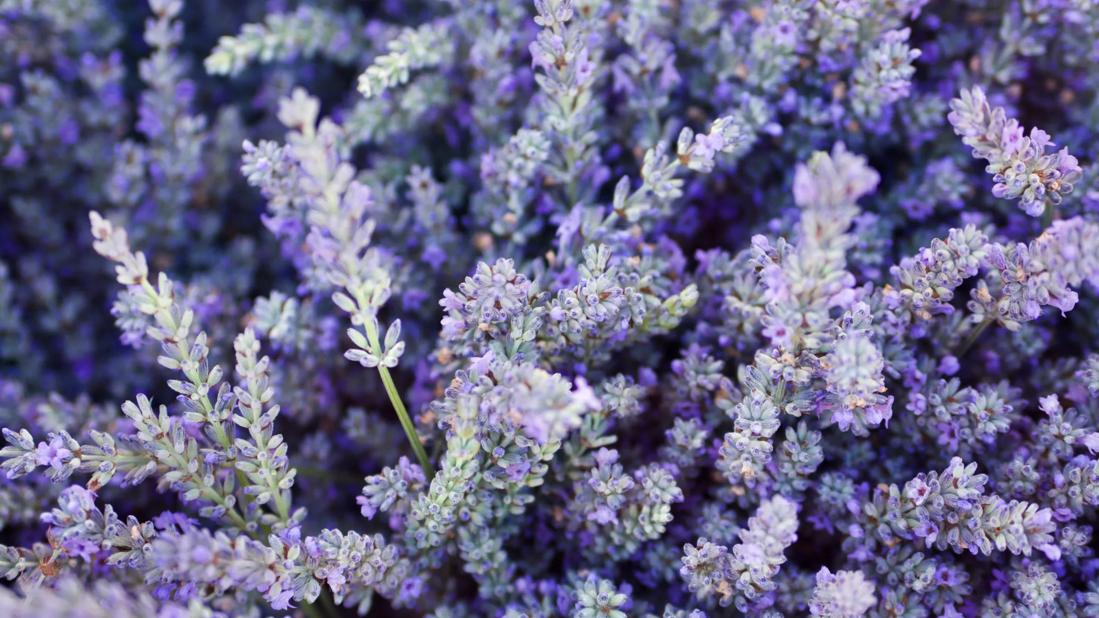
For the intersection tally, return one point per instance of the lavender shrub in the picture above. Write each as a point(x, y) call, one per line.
point(586, 308)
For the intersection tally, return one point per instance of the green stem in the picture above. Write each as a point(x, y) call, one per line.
point(329, 606)
point(398, 404)
point(312, 611)
point(282, 507)
point(221, 436)
point(972, 337)
point(212, 495)
point(406, 422)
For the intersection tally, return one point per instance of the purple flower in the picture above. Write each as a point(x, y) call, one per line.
point(1091, 442)
point(52, 453)
point(949, 365)
point(517, 471)
point(606, 457)
point(603, 515)
point(411, 589)
point(281, 600)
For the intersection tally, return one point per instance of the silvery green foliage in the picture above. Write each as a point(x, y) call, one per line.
point(686, 444)
point(521, 397)
point(304, 33)
point(264, 461)
point(165, 168)
point(286, 568)
point(67, 14)
point(966, 419)
point(335, 206)
point(803, 283)
point(412, 49)
point(380, 119)
point(209, 403)
point(391, 487)
point(644, 28)
point(771, 49)
point(798, 457)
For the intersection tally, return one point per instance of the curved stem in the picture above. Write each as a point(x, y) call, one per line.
point(1048, 215)
point(328, 604)
point(406, 422)
point(972, 337)
point(311, 610)
point(398, 404)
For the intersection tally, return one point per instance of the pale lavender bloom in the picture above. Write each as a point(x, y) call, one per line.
point(1020, 167)
point(1026, 277)
point(845, 594)
point(52, 453)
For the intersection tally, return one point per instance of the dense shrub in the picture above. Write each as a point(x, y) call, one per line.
point(593, 308)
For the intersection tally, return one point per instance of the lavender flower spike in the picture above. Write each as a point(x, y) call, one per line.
point(1019, 165)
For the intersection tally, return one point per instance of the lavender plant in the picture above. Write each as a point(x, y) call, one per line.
point(593, 308)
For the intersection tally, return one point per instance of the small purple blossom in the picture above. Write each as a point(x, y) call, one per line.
point(52, 453)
